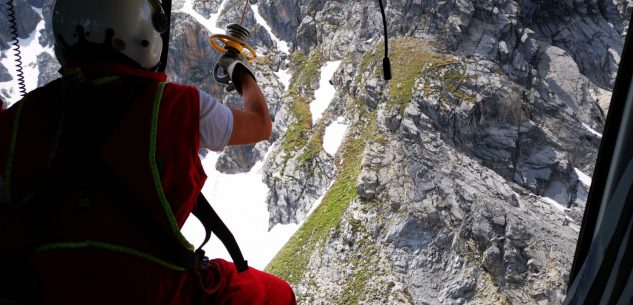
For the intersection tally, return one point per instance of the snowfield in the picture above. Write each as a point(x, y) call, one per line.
point(324, 95)
point(240, 200)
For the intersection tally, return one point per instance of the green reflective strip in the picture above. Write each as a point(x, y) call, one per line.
point(107, 246)
point(155, 174)
point(10, 154)
point(104, 80)
point(4, 301)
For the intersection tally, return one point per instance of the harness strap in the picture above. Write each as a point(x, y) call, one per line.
point(212, 223)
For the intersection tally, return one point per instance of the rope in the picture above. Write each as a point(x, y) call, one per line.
point(244, 11)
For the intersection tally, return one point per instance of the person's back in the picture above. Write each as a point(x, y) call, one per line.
point(81, 198)
point(101, 169)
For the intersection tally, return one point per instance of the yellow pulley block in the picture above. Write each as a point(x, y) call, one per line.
point(231, 43)
point(234, 40)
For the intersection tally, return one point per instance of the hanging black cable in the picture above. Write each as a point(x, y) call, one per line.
point(386, 63)
point(13, 28)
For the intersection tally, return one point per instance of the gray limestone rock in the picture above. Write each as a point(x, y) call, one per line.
point(48, 68)
point(366, 185)
point(191, 57)
point(36, 3)
point(492, 261)
point(206, 7)
point(47, 38)
point(296, 189)
point(4, 74)
point(26, 18)
point(283, 16)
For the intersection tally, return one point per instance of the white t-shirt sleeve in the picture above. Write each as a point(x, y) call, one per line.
point(216, 123)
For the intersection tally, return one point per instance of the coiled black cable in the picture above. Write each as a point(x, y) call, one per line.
point(13, 29)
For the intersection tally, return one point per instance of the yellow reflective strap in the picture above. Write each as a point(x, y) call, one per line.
point(155, 173)
point(106, 246)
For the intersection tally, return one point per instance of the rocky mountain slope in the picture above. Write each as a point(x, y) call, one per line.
point(460, 181)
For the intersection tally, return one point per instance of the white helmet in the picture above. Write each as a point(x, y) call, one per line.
point(131, 27)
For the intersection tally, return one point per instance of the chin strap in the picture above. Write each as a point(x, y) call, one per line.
point(166, 4)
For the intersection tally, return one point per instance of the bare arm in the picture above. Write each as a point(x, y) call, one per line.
point(252, 123)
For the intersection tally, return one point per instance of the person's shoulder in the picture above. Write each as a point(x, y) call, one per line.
point(180, 87)
point(180, 98)
point(7, 115)
point(180, 91)
point(52, 88)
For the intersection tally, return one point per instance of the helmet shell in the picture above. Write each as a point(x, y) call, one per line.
point(131, 22)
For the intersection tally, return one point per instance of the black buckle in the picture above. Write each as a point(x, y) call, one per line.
point(201, 262)
point(241, 266)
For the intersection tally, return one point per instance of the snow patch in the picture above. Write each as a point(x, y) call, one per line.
point(284, 77)
point(554, 204)
point(602, 96)
point(281, 45)
point(240, 200)
point(315, 205)
point(592, 130)
point(209, 23)
point(584, 178)
point(518, 199)
point(334, 135)
point(325, 93)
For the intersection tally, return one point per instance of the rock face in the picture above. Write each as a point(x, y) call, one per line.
point(47, 39)
point(283, 16)
point(5, 95)
point(431, 224)
point(48, 68)
point(458, 181)
point(625, 7)
point(191, 56)
point(206, 8)
point(4, 74)
point(511, 130)
point(27, 19)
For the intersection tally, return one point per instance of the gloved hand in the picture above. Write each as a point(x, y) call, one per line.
point(235, 68)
